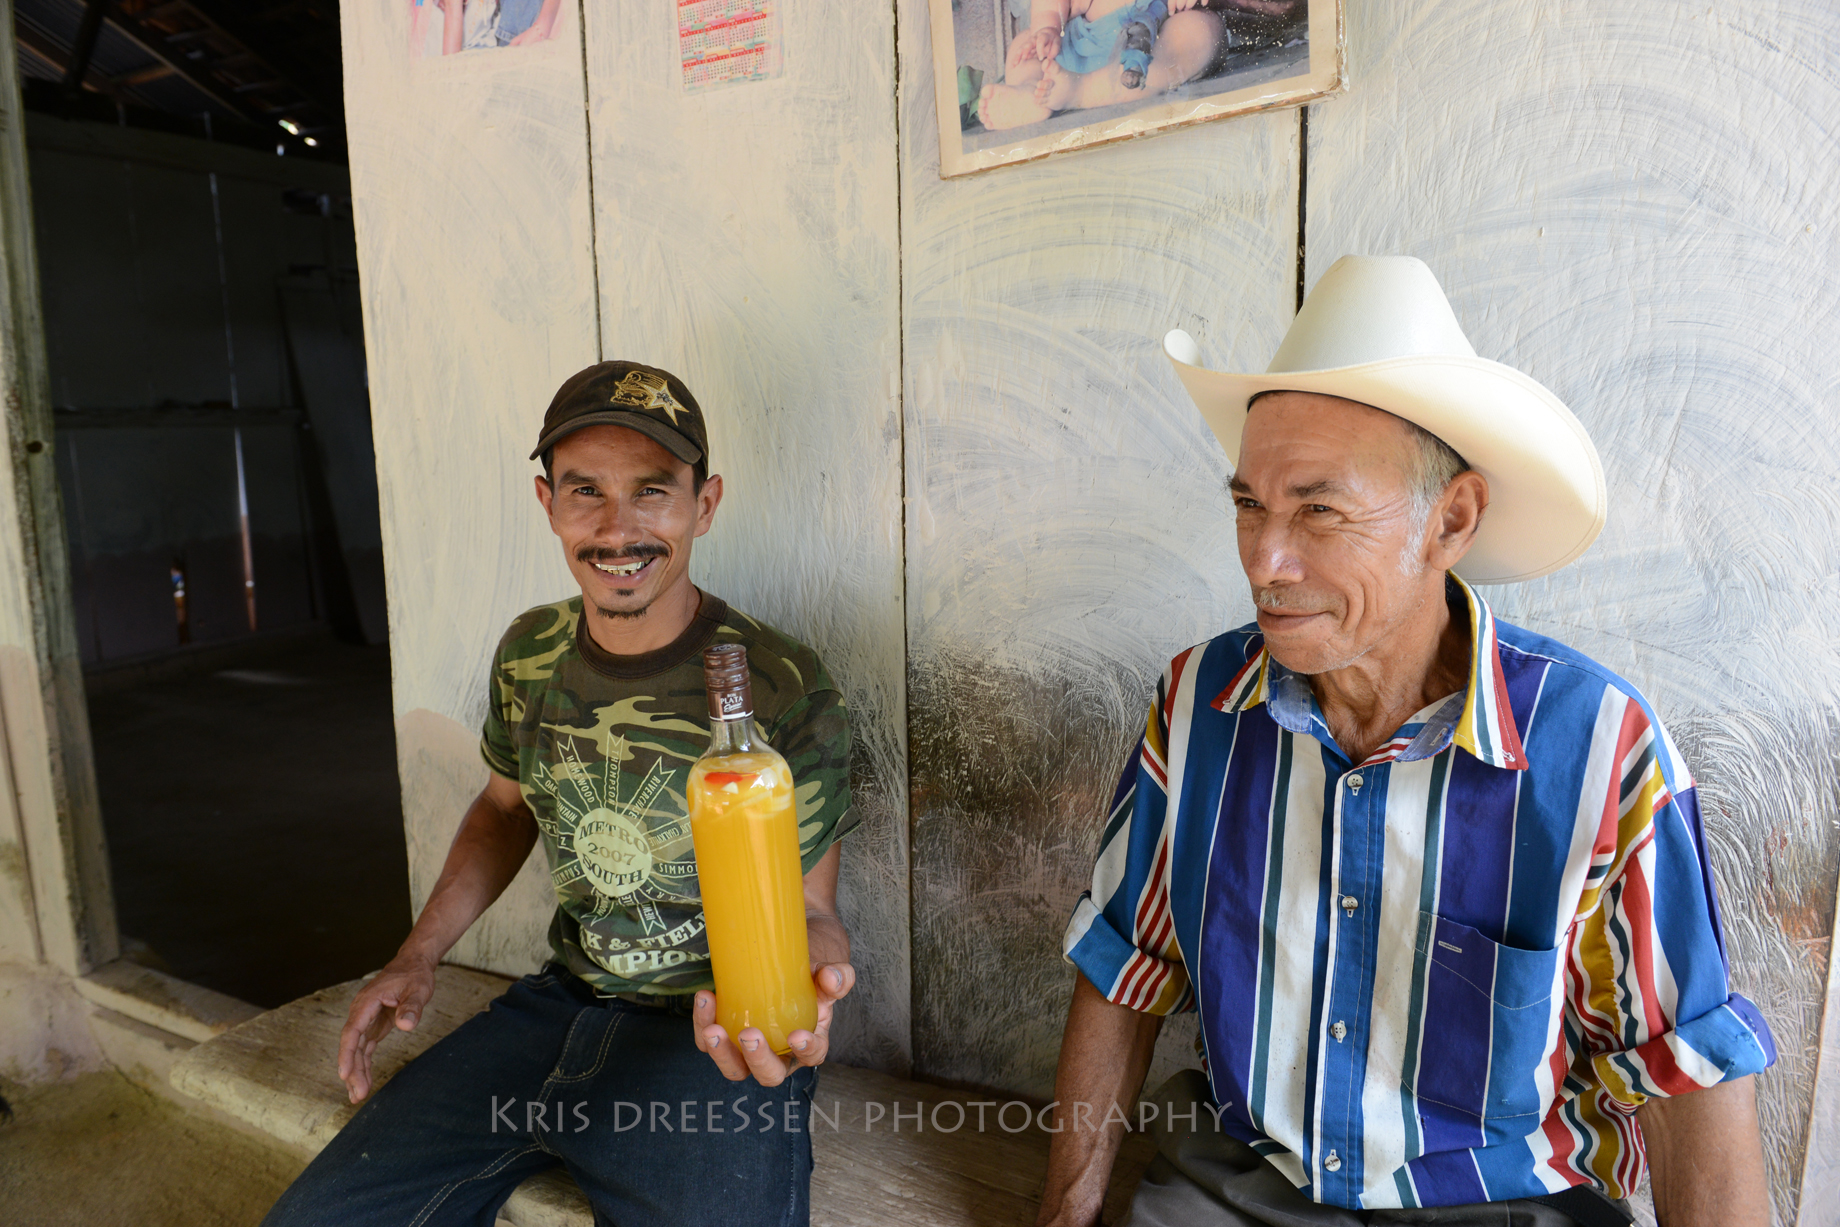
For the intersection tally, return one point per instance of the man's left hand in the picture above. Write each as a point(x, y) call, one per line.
point(750, 1054)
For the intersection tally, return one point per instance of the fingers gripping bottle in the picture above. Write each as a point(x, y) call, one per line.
point(746, 831)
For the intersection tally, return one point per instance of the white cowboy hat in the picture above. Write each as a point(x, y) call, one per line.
point(1378, 330)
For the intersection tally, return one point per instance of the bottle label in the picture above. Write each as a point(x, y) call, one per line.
point(725, 673)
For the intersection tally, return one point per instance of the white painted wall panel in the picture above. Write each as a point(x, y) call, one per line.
point(469, 186)
point(747, 241)
point(1632, 202)
point(1627, 201)
point(1068, 525)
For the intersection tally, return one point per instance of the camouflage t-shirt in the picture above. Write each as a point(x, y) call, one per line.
point(601, 747)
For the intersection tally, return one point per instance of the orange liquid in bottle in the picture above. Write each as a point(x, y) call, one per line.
point(745, 828)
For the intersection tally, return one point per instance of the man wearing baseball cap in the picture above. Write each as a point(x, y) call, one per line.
point(1436, 885)
point(607, 1062)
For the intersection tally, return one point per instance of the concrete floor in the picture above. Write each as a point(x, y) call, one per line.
point(253, 814)
point(98, 1151)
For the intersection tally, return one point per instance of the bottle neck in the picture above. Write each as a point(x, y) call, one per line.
point(731, 736)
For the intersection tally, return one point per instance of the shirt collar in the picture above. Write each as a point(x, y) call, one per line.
point(1479, 719)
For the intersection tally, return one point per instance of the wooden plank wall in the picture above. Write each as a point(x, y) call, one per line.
point(960, 467)
point(747, 239)
point(750, 251)
point(1068, 528)
point(470, 193)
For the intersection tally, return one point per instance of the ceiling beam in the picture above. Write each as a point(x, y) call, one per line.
point(42, 48)
point(257, 63)
point(257, 30)
point(139, 76)
point(85, 44)
point(50, 57)
point(180, 68)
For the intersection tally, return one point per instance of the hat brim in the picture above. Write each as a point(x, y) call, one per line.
point(1547, 500)
point(672, 441)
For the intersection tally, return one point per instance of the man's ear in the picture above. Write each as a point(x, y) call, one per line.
point(546, 495)
point(1458, 518)
point(707, 500)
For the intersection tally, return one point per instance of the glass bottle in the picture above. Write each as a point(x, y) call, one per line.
point(746, 830)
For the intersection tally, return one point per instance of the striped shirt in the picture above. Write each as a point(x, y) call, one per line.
point(1449, 973)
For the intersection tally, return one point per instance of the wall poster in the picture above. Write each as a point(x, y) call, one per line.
point(447, 27)
point(1020, 79)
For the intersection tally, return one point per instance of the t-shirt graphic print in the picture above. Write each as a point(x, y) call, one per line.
point(601, 747)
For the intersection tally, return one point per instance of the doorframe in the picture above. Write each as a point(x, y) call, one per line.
point(44, 718)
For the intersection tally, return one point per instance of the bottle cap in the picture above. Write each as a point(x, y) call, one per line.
point(725, 673)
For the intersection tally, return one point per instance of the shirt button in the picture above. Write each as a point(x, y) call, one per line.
point(1339, 1031)
point(1350, 903)
point(1333, 1162)
point(1355, 782)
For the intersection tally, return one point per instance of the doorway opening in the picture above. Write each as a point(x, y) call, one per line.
point(198, 277)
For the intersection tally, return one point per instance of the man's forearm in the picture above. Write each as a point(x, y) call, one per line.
point(1705, 1157)
point(824, 931)
point(1105, 1053)
point(489, 849)
point(828, 939)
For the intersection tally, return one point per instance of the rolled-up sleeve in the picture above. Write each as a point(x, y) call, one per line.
point(1121, 935)
point(1649, 980)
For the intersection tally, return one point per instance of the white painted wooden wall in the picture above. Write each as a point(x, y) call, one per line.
point(470, 193)
point(741, 239)
point(1068, 529)
point(747, 240)
point(1630, 201)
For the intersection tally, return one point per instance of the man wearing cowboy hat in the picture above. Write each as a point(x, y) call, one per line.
point(1436, 885)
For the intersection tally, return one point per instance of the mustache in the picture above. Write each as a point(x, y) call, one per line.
point(1275, 600)
point(643, 549)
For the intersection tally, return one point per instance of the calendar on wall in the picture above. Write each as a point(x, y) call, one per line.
point(726, 42)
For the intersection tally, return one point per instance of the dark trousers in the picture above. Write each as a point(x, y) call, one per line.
point(1204, 1178)
point(615, 1092)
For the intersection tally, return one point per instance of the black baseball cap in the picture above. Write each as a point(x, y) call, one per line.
point(652, 401)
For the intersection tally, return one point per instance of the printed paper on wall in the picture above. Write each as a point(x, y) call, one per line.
point(726, 42)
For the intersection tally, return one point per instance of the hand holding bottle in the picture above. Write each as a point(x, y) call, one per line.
point(779, 955)
point(750, 1054)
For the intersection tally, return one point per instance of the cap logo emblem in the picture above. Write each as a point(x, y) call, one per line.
point(639, 390)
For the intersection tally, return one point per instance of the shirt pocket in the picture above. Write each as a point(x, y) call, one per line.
point(1487, 1014)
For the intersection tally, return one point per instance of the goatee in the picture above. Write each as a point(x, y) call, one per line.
point(604, 612)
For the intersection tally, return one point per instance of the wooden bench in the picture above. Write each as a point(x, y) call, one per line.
point(276, 1073)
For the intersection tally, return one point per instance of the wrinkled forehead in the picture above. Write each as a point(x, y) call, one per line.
point(1312, 437)
point(1324, 405)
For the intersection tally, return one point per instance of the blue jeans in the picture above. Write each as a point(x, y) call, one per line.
point(615, 1092)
